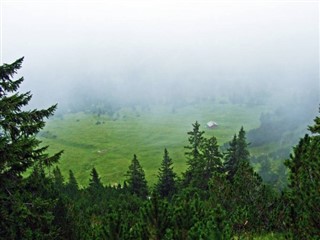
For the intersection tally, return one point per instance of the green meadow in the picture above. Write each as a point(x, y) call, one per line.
point(109, 142)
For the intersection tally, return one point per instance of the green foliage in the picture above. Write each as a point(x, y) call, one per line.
point(203, 159)
point(26, 204)
point(166, 185)
point(231, 158)
point(58, 179)
point(95, 184)
point(72, 186)
point(237, 154)
point(158, 215)
point(137, 183)
point(211, 157)
point(304, 179)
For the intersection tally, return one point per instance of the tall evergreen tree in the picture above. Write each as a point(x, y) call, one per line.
point(137, 183)
point(72, 185)
point(195, 139)
point(231, 158)
point(212, 159)
point(166, 185)
point(58, 178)
point(95, 188)
point(95, 181)
point(195, 160)
point(237, 154)
point(304, 178)
point(242, 150)
point(20, 151)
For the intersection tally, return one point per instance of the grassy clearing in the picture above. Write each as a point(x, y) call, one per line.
point(108, 143)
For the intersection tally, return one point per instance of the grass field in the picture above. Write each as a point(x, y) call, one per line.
point(109, 142)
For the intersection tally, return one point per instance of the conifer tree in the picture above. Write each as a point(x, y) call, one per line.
point(243, 152)
point(95, 181)
point(166, 185)
point(95, 188)
point(231, 160)
point(195, 139)
point(212, 159)
point(58, 178)
point(237, 154)
point(195, 161)
point(20, 151)
point(72, 185)
point(136, 180)
point(304, 182)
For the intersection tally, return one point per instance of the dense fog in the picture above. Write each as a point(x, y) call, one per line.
point(164, 51)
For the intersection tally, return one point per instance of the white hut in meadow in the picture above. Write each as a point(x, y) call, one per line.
point(212, 124)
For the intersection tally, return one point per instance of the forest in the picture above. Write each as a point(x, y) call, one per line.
point(218, 196)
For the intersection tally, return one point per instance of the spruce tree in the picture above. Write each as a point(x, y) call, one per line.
point(166, 185)
point(20, 212)
point(95, 181)
point(231, 158)
point(195, 160)
point(72, 187)
point(195, 139)
point(304, 182)
point(243, 152)
point(212, 159)
point(237, 154)
point(58, 179)
point(95, 188)
point(137, 183)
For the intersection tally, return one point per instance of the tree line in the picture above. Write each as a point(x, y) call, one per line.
point(219, 196)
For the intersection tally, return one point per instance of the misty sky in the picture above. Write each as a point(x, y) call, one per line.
point(171, 47)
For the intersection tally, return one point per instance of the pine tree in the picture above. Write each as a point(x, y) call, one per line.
point(195, 139)
point(244, 186)
point(95, 189)
point(231, 158)
point(243, 152)
point(20, 212)
point(95, 181)
point(237, 154)
point(72, 187)
point(166, 185)
point(136, 180)
point(304, 182)
point(58, 178)
point(195, 160)
point(212, 158)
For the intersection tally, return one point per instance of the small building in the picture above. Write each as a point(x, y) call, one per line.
point(212, 124)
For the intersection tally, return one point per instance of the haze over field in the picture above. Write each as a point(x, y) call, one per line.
point(161, 51)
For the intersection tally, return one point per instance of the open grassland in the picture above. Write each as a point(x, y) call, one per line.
point(109, 142)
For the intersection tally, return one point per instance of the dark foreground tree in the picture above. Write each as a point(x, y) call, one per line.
point(137, 183)
point(166, 185)
point(95, 184)
point(212, 161)
point(195, 160)
point(304, 190)
point(72, 186)
point(22, 215)
point(237, 154)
